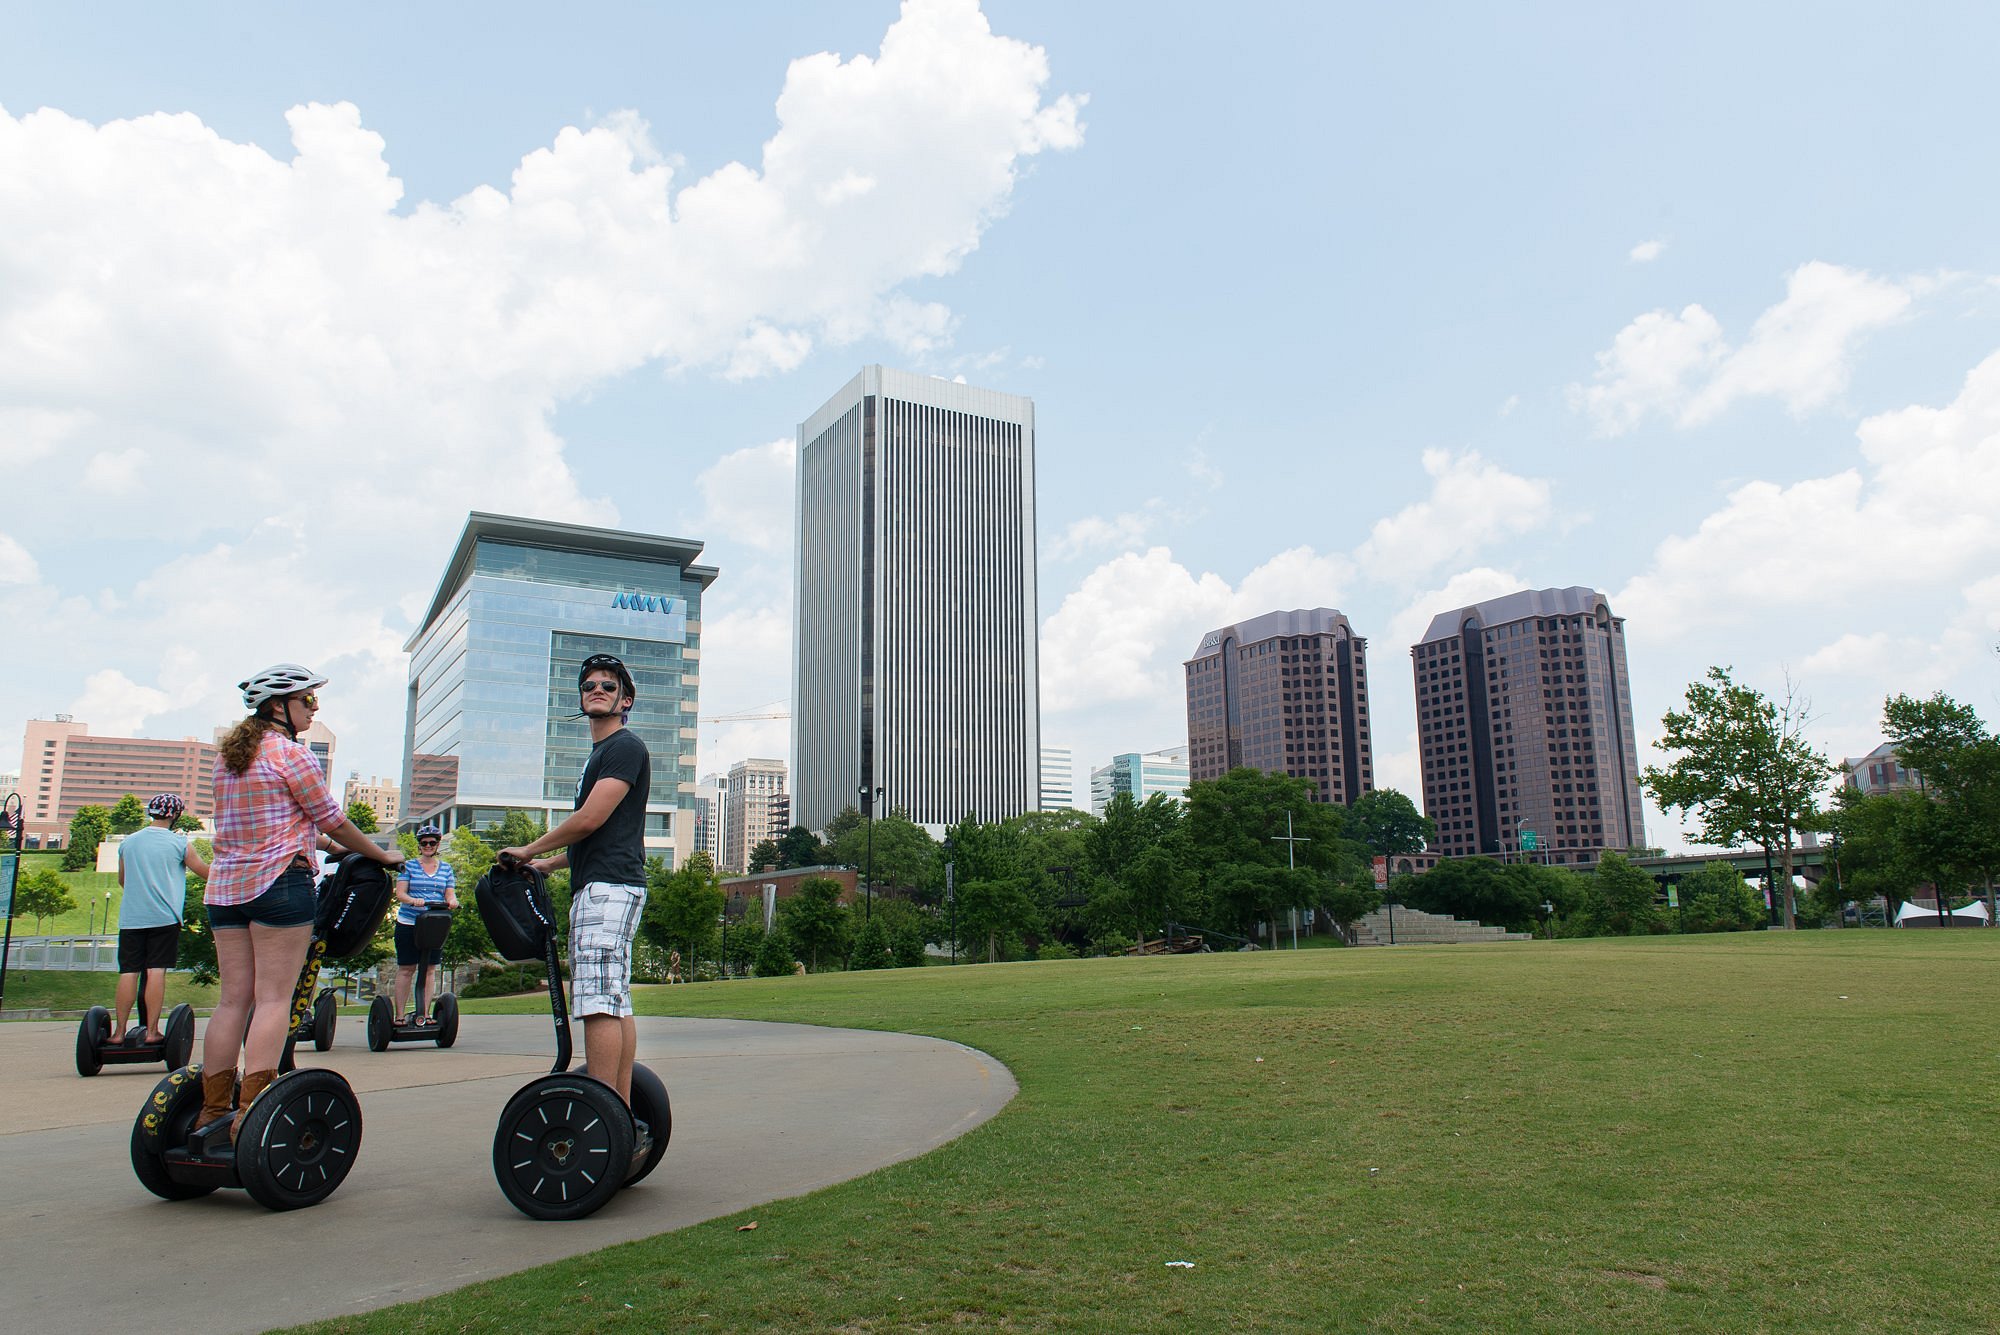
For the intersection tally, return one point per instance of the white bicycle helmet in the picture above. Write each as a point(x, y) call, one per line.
point(276, 682)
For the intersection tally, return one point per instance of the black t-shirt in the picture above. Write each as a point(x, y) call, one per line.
point(616, 850)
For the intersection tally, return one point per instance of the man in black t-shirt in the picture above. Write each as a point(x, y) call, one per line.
point(606, 856)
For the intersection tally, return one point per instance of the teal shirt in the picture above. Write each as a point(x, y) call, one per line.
point(155, 878)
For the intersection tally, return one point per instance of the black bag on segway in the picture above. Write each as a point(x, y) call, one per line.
point(352, 903)
point(514, 904)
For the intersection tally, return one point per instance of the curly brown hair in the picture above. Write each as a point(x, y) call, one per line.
point(239, 748)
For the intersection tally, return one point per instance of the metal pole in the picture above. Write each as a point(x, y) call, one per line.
point(16, 814)
point(1289, 840)
point(951, 897)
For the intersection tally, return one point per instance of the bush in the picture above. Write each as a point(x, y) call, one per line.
point(1112, 943)
point(506, 980)
point(1054, 950)
point(774, 956)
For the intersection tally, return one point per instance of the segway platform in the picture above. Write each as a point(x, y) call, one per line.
point(300, 1136)
point(96, 1049)
point(441, 1025)
point(566, 1143)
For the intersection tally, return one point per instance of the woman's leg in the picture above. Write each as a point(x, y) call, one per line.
point(280, 953)
point(405, 974)
point(223, 1039)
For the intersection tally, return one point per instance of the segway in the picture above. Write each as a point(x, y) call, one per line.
point(300, 1136)
point(441, 1025)
point(566, 1143)
point(95, 1047)
point(317, 1028)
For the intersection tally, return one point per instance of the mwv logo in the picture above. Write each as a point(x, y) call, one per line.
point(646, 602)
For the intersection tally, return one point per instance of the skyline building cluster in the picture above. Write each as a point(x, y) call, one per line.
point(915, 668)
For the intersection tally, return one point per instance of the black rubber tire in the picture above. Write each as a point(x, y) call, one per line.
point(650, 1105)
point(92, 1033)
point(445, 1012)
point(180, 1036)
point(326, 1010)
point(561, 1147)
point(162, 1124)
point(381, 1024)
point(299, 1140)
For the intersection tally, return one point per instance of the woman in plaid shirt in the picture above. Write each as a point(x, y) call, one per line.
point(271, 803)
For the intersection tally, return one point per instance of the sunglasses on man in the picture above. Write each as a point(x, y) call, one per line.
point(600, 687)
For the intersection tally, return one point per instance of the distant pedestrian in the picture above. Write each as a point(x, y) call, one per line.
point(428, 880)
point(674, 967)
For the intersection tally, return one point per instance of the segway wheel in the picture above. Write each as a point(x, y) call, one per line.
point(445, 1013)
point(180, 1036)
point(562, 1146)
point(91, 1036)
point(649, 1105)
point(163, 1123)
point(381, 1024)
point(299, 1140)
point(325, 1009)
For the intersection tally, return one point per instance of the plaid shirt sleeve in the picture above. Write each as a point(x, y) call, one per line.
point(309, 790)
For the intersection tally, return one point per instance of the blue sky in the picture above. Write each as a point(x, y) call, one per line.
point(1687, 306)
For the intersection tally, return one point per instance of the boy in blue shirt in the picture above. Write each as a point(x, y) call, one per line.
point(152, 867)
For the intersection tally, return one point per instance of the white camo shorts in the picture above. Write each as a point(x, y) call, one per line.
point(603, 918)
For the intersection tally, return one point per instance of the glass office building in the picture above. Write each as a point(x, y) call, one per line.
point(492, 723)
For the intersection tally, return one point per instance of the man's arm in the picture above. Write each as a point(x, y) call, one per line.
point(605, 795)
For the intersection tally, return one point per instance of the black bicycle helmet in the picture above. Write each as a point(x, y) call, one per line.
point(607, 663)
point(165, 806)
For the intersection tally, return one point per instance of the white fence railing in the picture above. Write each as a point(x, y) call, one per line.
point(95, 954)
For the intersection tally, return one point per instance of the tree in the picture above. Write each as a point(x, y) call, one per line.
point(87, 829)
point(186, 823)
point(764, 857)
point(682, 909)
point(362, 815)
point(197, 943)
point(1716, 898)
point(1957, 761)
point(798, 848)
point(1627, 897)
point(1477, 889)
point(871, 946)
point(128, 815)
point(774, 955)
point(1238, 825)
point(1389, 823)
point(992, 897)
point(42, 894)
point(814, 921)
point(1744, 770)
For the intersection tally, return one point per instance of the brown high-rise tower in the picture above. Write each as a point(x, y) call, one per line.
point(1524, 725)
point(1287, 693)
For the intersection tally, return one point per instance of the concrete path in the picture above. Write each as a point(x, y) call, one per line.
point(761, 1112)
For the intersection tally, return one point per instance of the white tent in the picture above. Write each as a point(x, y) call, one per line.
point(1916, 915)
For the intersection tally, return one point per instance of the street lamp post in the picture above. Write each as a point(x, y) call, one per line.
point(723, 919)
point(1548, 918)
point(951, 895)
point(869, 800)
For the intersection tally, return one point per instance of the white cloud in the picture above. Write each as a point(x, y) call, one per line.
point(747, 495)
point(334, 374)
point(1472, 503)
point(1646, 251)
point(1914, 517)
point(1799, 352)
point(1408, 625)
point(1094, 533)
point(1508, 406)
point(17, 564)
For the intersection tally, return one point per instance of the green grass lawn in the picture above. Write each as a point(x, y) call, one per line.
point(1768, 1132)
point(85, 887)
point(60, 990)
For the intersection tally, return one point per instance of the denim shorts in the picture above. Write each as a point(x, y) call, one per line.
point(288, 903)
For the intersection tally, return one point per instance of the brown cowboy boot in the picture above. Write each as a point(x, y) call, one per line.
point(218, 1096)
point(253, 1084)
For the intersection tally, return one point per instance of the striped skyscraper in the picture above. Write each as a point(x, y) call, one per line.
point(914, 664)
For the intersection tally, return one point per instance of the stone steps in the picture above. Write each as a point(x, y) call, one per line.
point(1414, 927)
